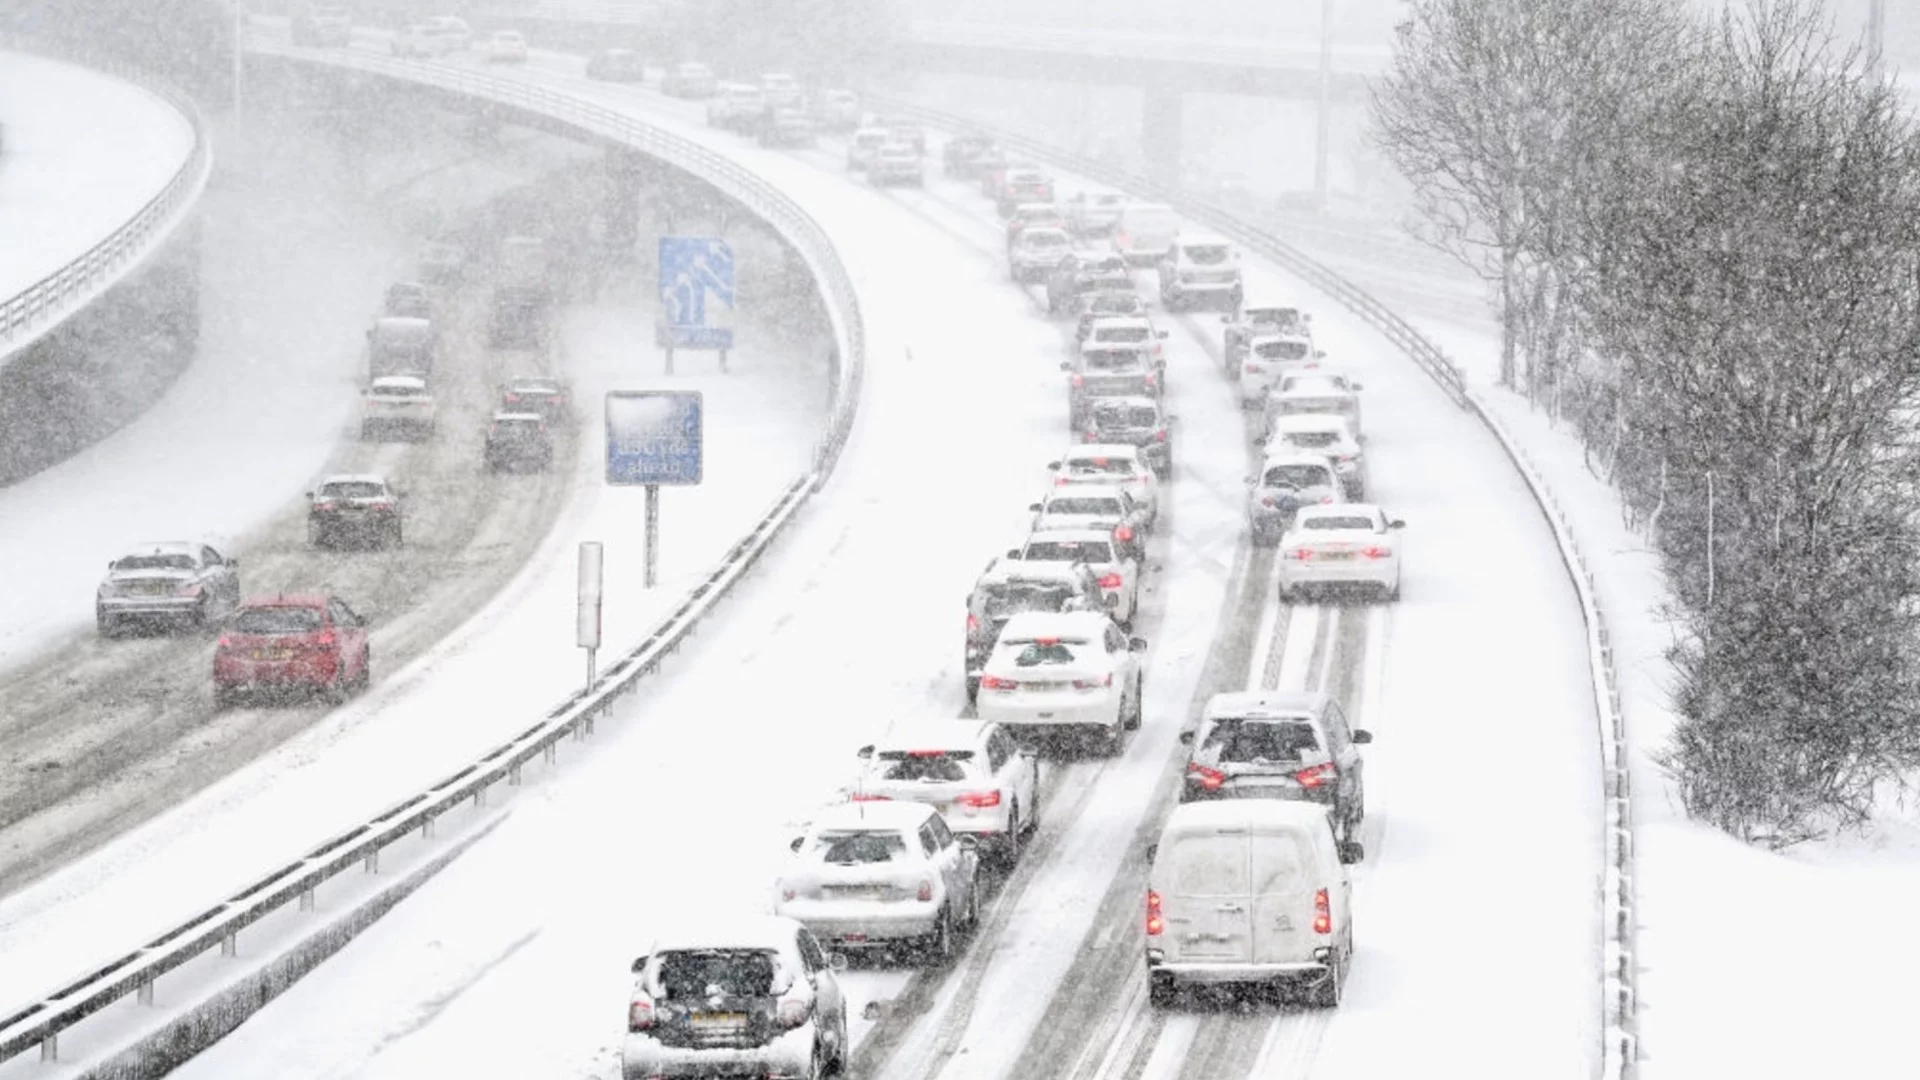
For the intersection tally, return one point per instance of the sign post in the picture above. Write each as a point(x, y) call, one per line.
point(692, 268)
point(587, 614)
point(655, 437)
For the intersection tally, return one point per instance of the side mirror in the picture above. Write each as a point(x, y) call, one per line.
point(866, 751)
point(1258, 440)
point(1137, 644)
point(1352, 851)
point(1362, 736)
point(1013, 553)
point(1054, 466)
point(1035, 507)
point(1355, 387)
point(1150, 851)
point(639, 965)
point(1186, 738)
point(1066, 365)
point(1226, 320)
point(1396, 524)
point(1248, 480)
point(1160, 334)
point(369, 333)
point(797, 841)
point(1319, 354)
point(309, 494)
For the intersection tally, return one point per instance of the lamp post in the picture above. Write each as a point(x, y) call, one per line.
point(1876, 36)
point(1323, 129)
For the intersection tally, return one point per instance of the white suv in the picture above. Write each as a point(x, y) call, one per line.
point(1200, 271)
point(972, 772)
point(757, 993)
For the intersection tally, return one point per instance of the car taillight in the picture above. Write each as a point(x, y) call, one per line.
point(188, 588)
point(1325, 499)
point(511, 399)
point(1094, 684)
point(995, 682)
point(1109, 581)
point(1078, 380)
point(1160, 435)
point(1267, 500)
point(225, 642)
point(980, 799)
point(1314, 776)
point(1211, 779)
point(1062, 481)
point(788, 892)
point(1253, 369)
point(973, 623)
point(861, 796)
point(1377, 552)
point(640, 1014)
point(792, 1012)
point(1155, 923)
point(926, 891)
point(1302, 554)
point(322, 640)
point(1090, 437)
point(1148, 380)
point(1122, 534)
point(1322, 913)
point(326, 506)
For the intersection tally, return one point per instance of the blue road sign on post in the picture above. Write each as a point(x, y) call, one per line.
point(654, 437)
point(694, 269)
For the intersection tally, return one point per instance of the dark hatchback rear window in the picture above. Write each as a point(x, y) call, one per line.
point(695, 975)
point(1252, 741)
point(940, 768)
point(277, 620)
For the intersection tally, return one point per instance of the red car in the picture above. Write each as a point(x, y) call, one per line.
point(305, 641)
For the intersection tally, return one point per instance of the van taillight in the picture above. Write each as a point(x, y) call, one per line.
point(640, 1013)
point(1322, 913)
point(926, 891)
point(1155, 923)
point(1317, 775)
point(973, 623)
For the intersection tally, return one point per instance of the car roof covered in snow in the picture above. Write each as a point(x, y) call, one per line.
point(518, 417)
point(1301, 423)
point(1003, 570)
point(1212, 815)
point(398, 382)
point(1087, 491)
point(1071, 536)
point(1288, 455)
point(1263, 703)
point(1308, 513)
point(1130, 401)
point(353, 478)
point(1091, 451)
point(923, 734)
point(1091, 625)
point(903, 816)
point(774, 932)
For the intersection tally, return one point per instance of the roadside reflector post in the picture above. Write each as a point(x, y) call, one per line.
point(653, 535)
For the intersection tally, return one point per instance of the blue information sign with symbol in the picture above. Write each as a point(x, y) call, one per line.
point(654, 437)
point(695, 271)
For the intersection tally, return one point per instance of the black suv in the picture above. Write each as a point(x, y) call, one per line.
point(1008, 587)
point(519, 441)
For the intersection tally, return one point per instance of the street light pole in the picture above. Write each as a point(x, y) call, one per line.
point(1876, 36)
point(1322, 131)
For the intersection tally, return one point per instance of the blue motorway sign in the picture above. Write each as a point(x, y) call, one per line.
point(692, 270)
point(654, 437)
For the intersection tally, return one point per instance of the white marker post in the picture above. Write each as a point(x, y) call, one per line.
point(587, 628)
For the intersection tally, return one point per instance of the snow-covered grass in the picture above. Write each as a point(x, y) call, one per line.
point(84, 152)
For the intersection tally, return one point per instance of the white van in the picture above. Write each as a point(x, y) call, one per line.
point(1145, 232)
point(1249, 891)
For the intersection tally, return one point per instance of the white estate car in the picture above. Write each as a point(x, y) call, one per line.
point(506, 47)
point(1123, 332)
point(1093, 506)
point(1064, 672)
point(398, 406)
point(881, 875)
point(1036, 251)
point(169, 581)
point(1315, 392)
point(979, 779)
point(1288, 480)
point(1352, 546)
point(896, 163)
point(1115, 563)
point(1271, 356)
point(1323, 433)
point(1200, 270)
point(1110, 463)
point(753, 993)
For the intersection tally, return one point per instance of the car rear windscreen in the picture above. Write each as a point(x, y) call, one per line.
point(352, 489)
point(1209, 254)
point(1313, 440)
point(1121, 333)
point(1332, 524)
point(694, 975)
point(858, 848)
point(155, 562)
point(1111, 359)
point(1296, 476)
point(1102, 466)
point(1282, 350)
point(1005, 601)
point(1093, 551)
point(277, 620)
point(1103, 506)
point(1139, 417)
point(942, 768)
point(1260, 741)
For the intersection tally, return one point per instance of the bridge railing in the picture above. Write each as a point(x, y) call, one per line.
point(133, 971)
point(43, 304)
point(1619, 990)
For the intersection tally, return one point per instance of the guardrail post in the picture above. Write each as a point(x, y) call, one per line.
point(426, 826)
point(50, 1048)
point(513, 776)
point(230, 943)
point(479, 798)
point(551, 754)
point(144, 995)
point(372, 862)
point(306, 899)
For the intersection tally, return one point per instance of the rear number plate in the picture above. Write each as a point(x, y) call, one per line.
point(718, 1021)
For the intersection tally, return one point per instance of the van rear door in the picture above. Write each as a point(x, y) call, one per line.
point(1284, 878)
point(1206, 900)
